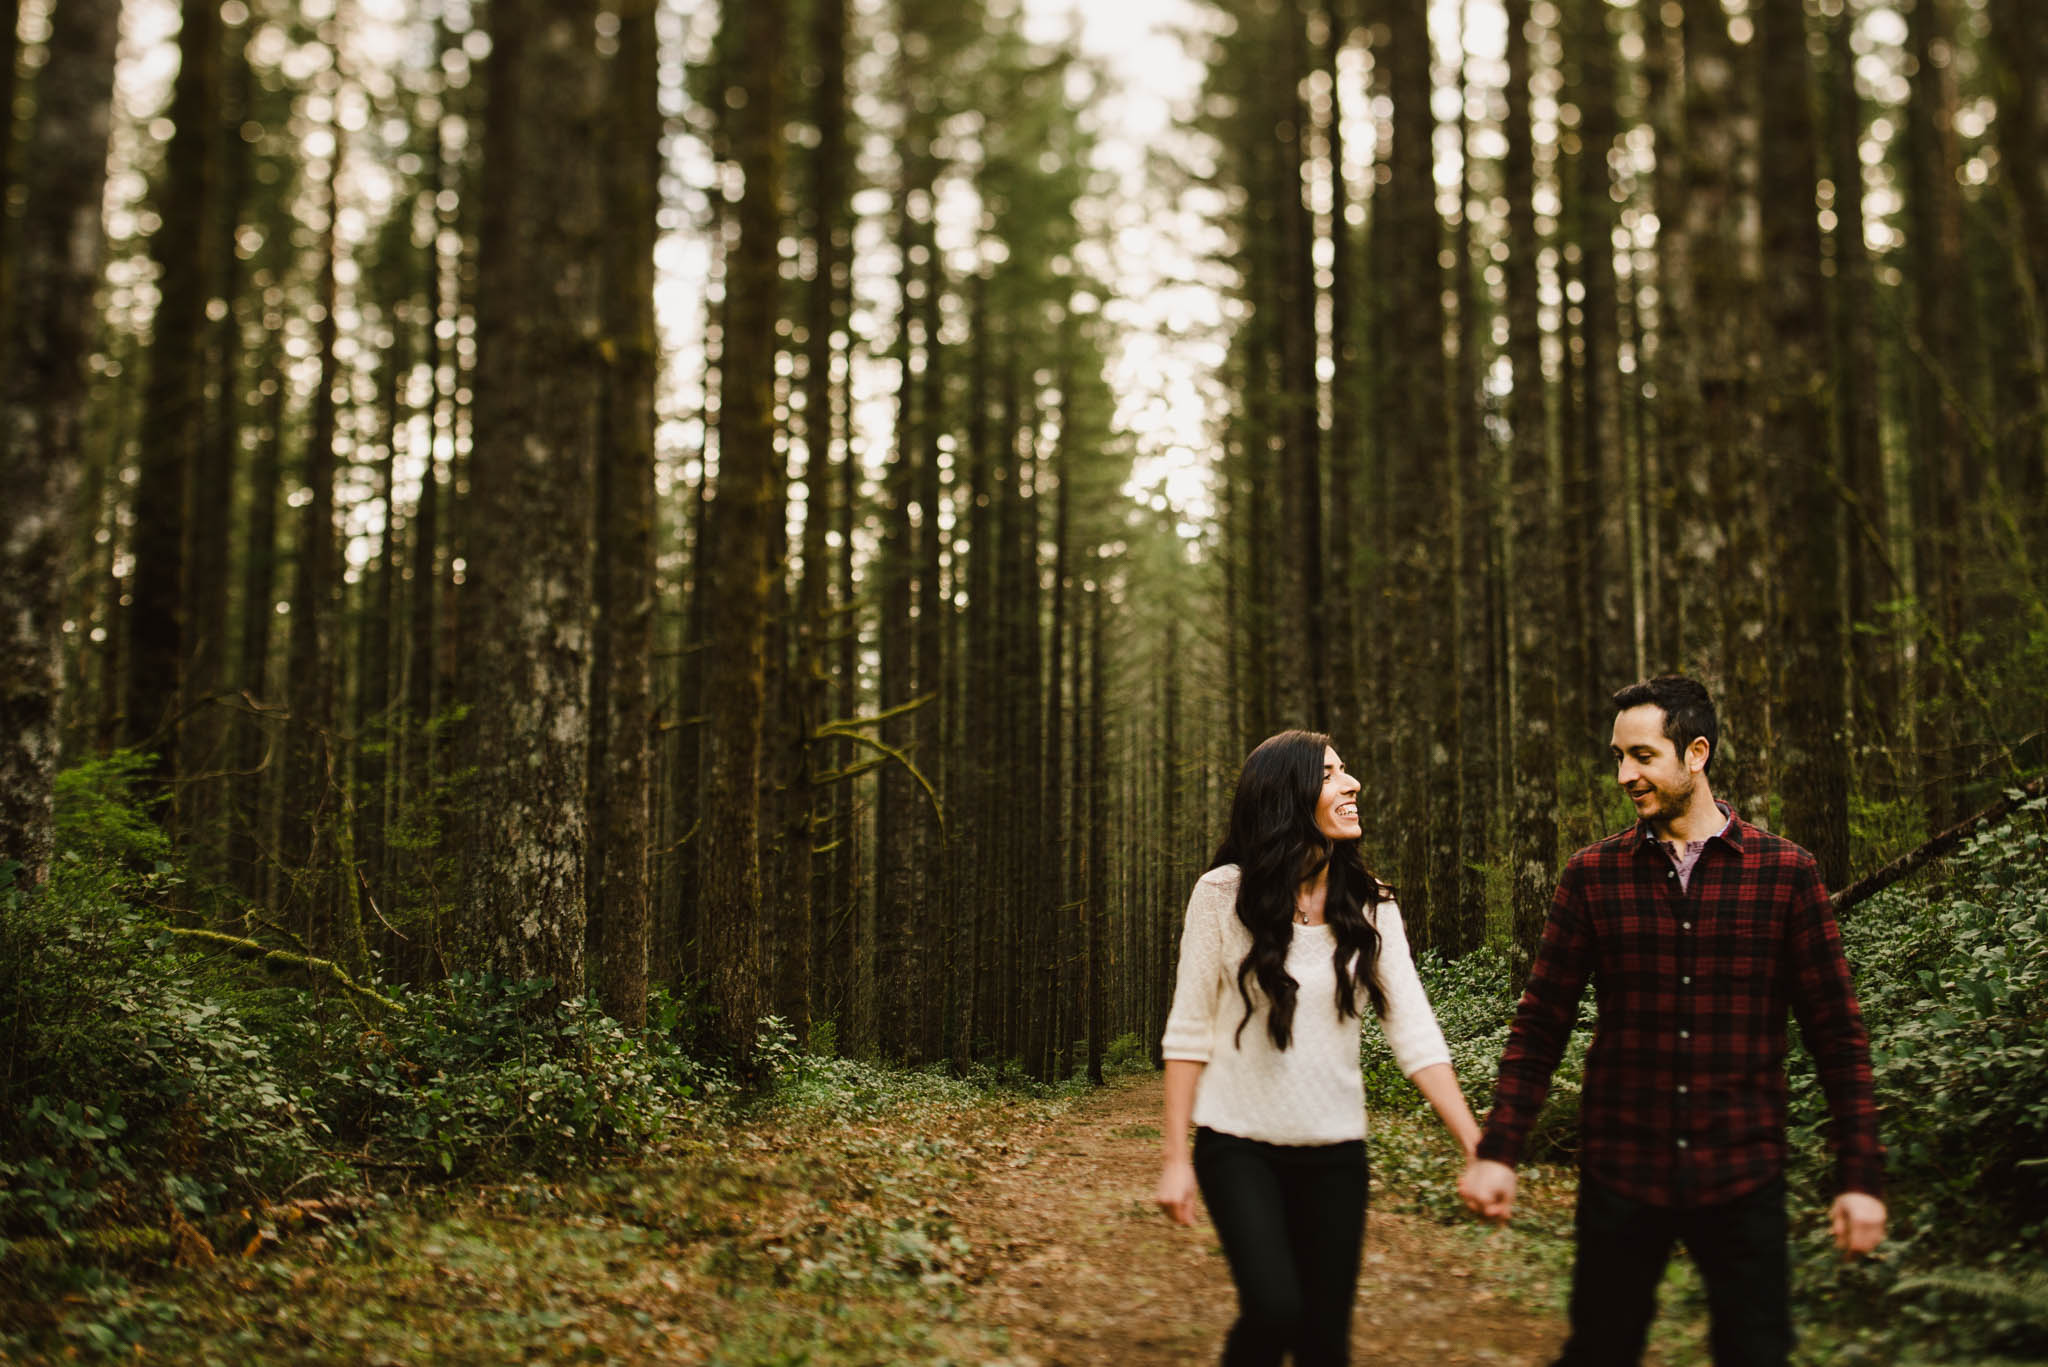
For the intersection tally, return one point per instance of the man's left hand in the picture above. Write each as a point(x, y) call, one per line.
point(1857, 1219)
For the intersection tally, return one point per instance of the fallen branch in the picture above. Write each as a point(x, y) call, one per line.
point(308, 962)
point(1912, 860)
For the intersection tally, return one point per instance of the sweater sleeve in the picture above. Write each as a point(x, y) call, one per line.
point(1191, 1025)
point(1409, 1025)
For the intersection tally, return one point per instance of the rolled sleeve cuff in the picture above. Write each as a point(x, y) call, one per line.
point(1496, 1147)
point(1860, 1174)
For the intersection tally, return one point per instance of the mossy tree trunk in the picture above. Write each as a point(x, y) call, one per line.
point(48, 336)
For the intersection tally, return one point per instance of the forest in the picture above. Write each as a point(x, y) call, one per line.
point(575, 572)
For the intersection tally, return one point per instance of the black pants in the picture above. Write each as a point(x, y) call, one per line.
point(1623, 1246)
point(1292, 1222)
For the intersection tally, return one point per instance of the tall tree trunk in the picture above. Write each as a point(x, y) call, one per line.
point(537, 396)
point(375, 719)
point(899, 955)
point(1474, 509)
point(312, 768)
point(174, 399)
point(250, 854)
point(1098, 825)
point(10, 22)
point(622, 701)
point(827, 960)
point(1720, 141)
point(1419, 656)
point(1812, 743)
point(1874, 698)
point(933, 608)
point(1532, 568)
point(738, 575)
point(203, 733)
point(1306, 672)
point(1597, 482)
point(2017, 54)
point(48, 335)
point(1684, 489)
point(1340, 610)
point(1053, 821)
point(1939, 286)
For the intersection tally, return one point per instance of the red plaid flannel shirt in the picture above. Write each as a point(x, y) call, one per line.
point(1684, 1101)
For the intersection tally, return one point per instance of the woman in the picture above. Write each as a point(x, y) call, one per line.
point(1284, 933)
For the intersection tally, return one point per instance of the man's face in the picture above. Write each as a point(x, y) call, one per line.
point(1649, 768)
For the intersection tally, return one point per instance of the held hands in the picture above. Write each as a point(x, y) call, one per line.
point(1857, 1219)
point(1488, 1189)
point(1176, 1194)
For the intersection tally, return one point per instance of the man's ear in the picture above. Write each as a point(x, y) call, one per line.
point(1697, 754)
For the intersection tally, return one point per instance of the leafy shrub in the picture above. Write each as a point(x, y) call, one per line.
point(127, 1080)
point(481, 1074)
point(1954, 991)
point(1474, 1001)
point(1127, 1053)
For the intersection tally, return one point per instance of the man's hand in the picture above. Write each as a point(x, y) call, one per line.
point(1176, 1194)
point(1488, 1189)
point(1857, 1219)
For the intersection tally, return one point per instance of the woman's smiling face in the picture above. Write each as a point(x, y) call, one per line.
point(1337, 808)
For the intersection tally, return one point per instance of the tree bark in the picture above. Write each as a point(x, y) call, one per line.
point(42, 409)
point(1938, 289)
point(738, 574)
point(1420, 659)
point(1532, 571)
point(1720, 149)
point(536, 416)
point(174, 399)
point(1812, 756)
point(312, 757)
point(1874, 695)
point(208, 518)
point(622, 692)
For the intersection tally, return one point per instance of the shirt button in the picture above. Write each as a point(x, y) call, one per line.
point(1683, 1089)
point(1686, 981)
point(1685, 1034)
point(1681, 1143)
point(1685, 925)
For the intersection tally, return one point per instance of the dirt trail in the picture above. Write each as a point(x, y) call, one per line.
point(1085, 1270)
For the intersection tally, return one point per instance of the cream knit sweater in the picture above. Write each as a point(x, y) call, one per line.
point(1312, 1093)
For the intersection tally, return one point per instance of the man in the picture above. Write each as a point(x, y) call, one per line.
point(1698, 931)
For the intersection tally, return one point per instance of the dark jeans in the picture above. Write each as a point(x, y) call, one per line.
point(1623, 1245)
point(1292, 1222)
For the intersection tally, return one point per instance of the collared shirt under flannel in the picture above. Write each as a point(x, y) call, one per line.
point(1681, 859)
point(1684, 1099)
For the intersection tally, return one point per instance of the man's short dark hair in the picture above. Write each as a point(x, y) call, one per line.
point(1688, 711)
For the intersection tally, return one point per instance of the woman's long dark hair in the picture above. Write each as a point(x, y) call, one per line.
point(1274, 842)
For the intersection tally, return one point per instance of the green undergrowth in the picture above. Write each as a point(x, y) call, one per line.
point(1952, 977)
point(814, 1224)
point(197, 1147)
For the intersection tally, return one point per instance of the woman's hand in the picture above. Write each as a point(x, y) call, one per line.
point(1176, 1194)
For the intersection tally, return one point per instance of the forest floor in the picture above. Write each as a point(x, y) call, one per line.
point(1088, 1271)
point(989, 1229)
